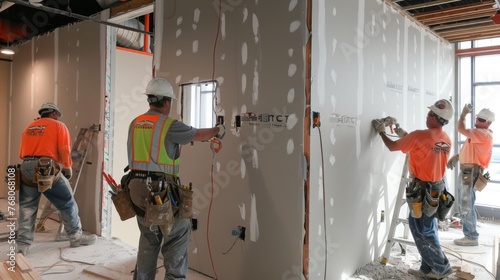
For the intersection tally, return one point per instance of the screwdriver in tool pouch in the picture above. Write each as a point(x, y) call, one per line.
point(158, 200)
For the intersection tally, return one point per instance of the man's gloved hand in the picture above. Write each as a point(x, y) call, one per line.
point(390, 121)
point(222, 131)
point(67, 172)
point(400, 132)
point(378, 125)
point(452, 162)
point(466, 110)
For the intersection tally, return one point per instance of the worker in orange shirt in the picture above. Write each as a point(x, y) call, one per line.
point(428, 151)
point(46, 154)
point(474, 157)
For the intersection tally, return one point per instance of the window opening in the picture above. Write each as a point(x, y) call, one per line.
point(479, 85)
point(197, 104)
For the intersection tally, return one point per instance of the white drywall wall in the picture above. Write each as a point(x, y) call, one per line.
point(64, 67)
point(258, 176)
point(368, 62)
point(132, 74)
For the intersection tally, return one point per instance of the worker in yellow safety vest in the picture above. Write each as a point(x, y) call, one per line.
point(153, 147)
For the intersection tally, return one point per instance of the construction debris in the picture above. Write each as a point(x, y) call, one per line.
point(21, 270)
point(462, 275)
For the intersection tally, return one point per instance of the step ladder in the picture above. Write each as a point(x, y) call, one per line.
point(396, 219)
point(81, 147)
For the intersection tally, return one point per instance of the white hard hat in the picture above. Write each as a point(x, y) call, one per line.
point(160, 87)
point(443, 109)
point(49, 108)
point(486, 114)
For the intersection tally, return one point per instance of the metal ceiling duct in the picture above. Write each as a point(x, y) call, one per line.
point(21, 20)
point(130, 39)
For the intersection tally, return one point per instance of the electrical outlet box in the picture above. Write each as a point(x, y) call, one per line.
point(194, 224)
point(316, 120)
point(237, 121)
point(242, 232)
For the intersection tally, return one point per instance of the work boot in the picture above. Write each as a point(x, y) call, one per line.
point(465, 241)
point(22, 248)
point(434, 275)
point(83, 240)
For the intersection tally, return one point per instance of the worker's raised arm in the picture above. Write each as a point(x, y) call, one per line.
point(461, 121)
point(204, 134)
point(379, 126)
point(391, 145)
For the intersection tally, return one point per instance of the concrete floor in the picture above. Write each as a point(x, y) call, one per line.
point(55, 260)
point(480, 261)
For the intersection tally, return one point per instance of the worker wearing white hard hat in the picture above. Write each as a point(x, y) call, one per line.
point(428, 151)
point(49, 108)
point(46, 145)
point(474, 158)
point(153, 146)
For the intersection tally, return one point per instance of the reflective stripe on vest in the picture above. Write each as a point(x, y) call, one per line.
point(147, 150)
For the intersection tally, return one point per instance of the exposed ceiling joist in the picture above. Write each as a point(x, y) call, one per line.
point(22, 20)
point(77, 16)
point(428, 4)
point(457, 14)
point(454, 21)
point(460, 25)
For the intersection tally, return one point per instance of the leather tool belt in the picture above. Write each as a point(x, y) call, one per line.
point(423, 197)
point(155, 176)
point(47, 172)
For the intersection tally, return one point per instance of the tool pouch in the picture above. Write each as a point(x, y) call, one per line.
point(414, 198)
point(186, 203)
point(431, 202)
point(481, 181)
point(122, 201)
point(466, 176)
point(13, 176)
point(159, 214)
point(123, 204)
point(47, 172)
point(446, 201)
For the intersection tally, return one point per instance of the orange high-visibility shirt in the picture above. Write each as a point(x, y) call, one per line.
point(47, 137)
point(429, 150)
point(477, 149)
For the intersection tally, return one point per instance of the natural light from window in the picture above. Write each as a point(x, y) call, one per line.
point(198, 104)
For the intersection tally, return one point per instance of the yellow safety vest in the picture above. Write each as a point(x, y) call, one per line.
point(146, 145)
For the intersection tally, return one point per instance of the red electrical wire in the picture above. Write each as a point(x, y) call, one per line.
point(216, 39)
point(212, 167)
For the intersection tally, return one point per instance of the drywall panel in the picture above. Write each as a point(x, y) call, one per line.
point(368, 62)
point(256, 180)
point(64, 67)
point(132, 74)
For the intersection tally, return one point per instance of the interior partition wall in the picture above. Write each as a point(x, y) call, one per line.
point(368, 62)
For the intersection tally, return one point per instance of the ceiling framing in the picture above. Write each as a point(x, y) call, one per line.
point(454, 20)
point(22, 20)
